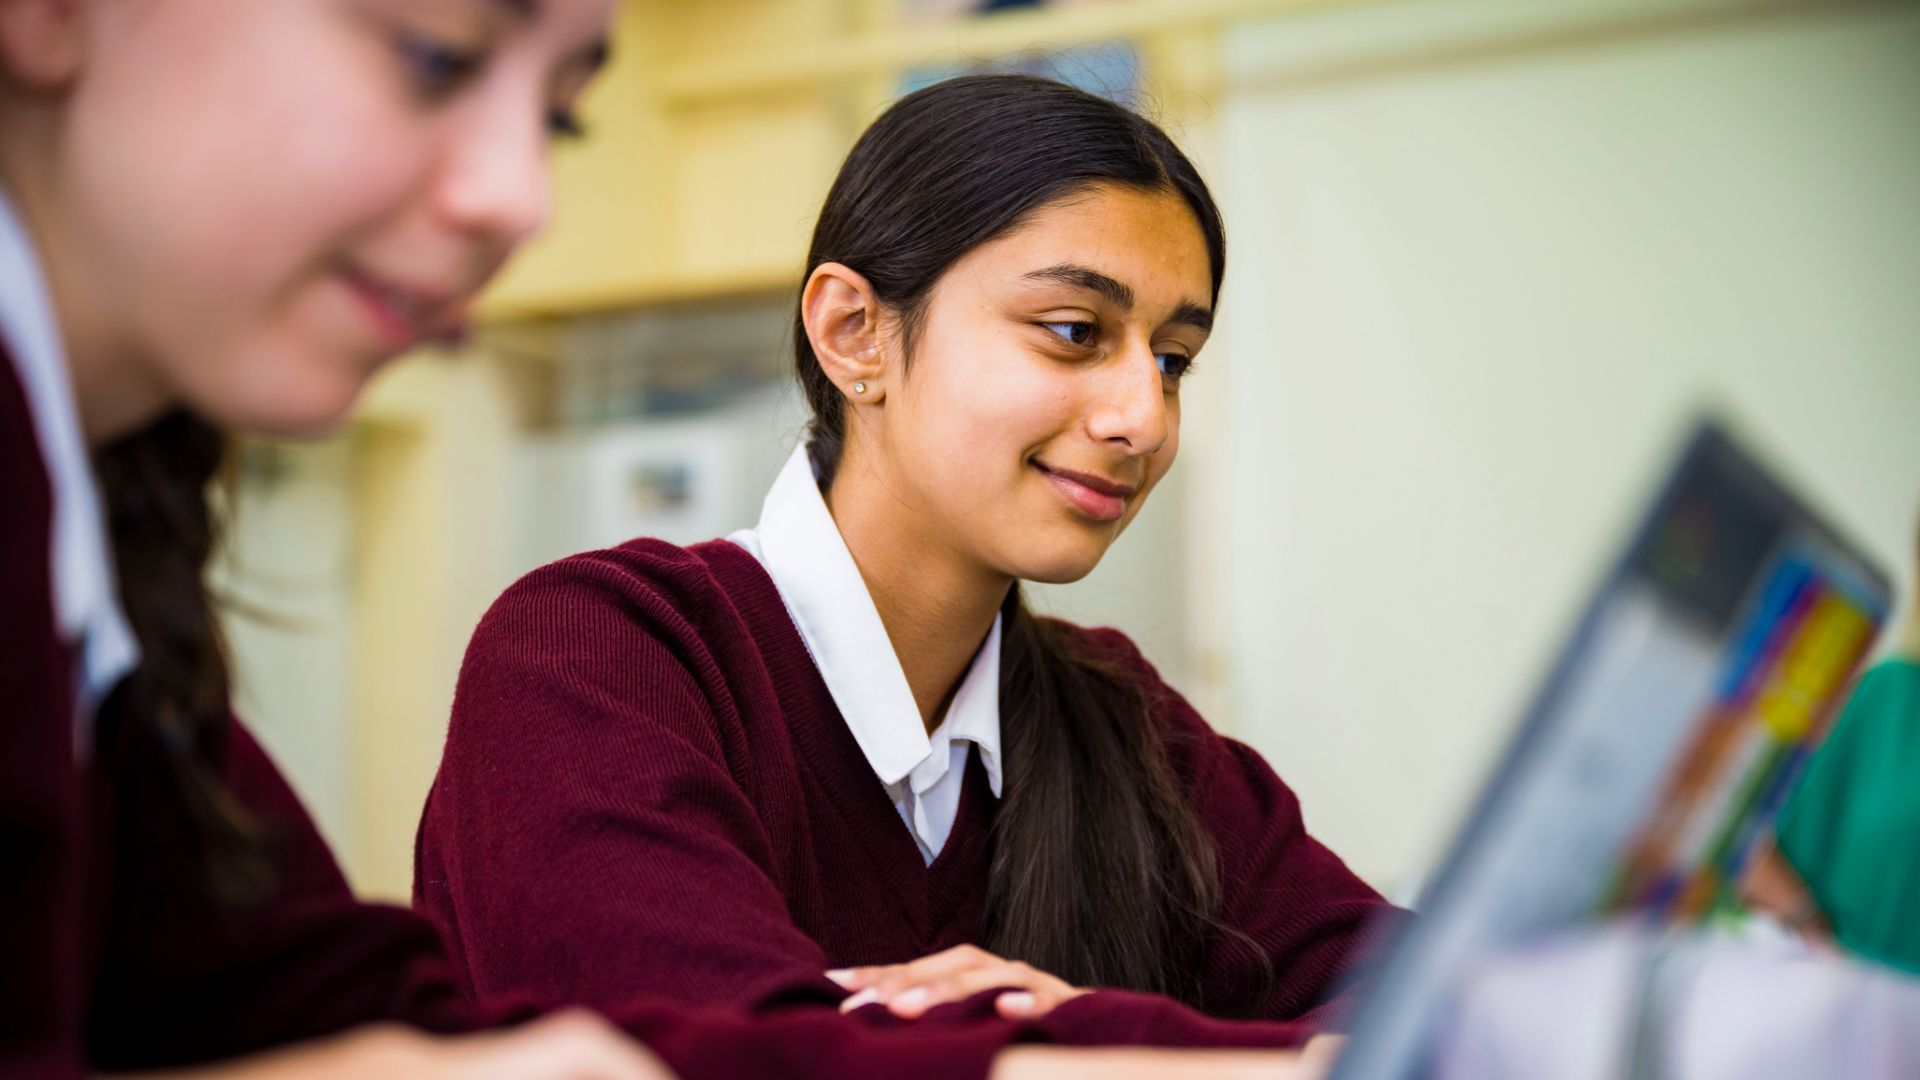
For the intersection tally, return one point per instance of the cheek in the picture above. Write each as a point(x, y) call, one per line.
point(277, 136)
point(222, 192)
point(980, 406)
point(269, 137)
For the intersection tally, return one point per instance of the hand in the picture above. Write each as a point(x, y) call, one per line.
point(1321, 1051)
point(1066, 1063)
point(565, 1046)
point(960, 972)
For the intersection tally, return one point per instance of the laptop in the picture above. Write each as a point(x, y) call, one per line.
point(1705, 670)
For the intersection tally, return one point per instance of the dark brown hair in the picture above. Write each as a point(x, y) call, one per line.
point(1101, 873)
point(155, 483)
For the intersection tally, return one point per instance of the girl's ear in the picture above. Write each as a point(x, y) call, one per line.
point(842, 317)
point(42, 43)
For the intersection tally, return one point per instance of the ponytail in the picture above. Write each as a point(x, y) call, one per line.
point(1092, 813)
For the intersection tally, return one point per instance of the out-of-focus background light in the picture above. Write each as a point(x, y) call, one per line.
point(1486, 256)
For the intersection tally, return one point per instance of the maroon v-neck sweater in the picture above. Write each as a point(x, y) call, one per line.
point(647, 787)
point(112, 956)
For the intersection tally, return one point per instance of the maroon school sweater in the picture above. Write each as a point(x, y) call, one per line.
point(647, 787)
point(112, 956)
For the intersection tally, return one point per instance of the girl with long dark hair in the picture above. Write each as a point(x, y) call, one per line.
point(838, 749)
point(220, 217)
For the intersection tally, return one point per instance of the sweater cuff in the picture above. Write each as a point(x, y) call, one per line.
point(1128, 1018)
point(807, 1043)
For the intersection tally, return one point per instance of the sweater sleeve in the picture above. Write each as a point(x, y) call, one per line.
point(1298, 923)
point(1312, 922)
point(592, 831)
point(39, 894)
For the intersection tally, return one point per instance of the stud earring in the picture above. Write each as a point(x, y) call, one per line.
point(859, 388)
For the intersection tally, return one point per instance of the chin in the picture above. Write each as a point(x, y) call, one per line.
point(1062, 567)
point(308, 407)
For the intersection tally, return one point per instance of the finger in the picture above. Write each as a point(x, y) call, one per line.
point(895, 983)
point(870, 984)
point(1032, 1004)
point(1018, 1005)
point(896, 979)
point(1318, 1056)
point(1323, 1050)
point(916, 1000)
point(942, 964)
point(858, 978)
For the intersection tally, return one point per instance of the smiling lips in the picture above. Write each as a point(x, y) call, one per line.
point(1095, 496)
point(403, 317)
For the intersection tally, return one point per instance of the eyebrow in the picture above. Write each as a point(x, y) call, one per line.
point(1192, 314)
point(1117, 292)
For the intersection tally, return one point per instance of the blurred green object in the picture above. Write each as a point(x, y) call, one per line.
point(1852, 826)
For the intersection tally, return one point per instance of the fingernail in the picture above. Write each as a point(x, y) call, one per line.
point(843, 976)
point(1018, 1002)
point(909, 1000)
point(864, 997)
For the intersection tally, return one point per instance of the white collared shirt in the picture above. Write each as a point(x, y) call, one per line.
point(86, 606)
point(802, 550)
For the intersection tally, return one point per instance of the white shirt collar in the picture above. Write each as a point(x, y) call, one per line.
point(85, 602)
point(802, 550)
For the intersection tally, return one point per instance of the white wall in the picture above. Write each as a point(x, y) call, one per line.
point(286, 573)
point(1474, 291)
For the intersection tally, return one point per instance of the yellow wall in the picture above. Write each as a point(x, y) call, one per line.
point(714, 134)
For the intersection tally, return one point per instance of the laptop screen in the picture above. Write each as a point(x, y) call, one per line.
point(1700, 678)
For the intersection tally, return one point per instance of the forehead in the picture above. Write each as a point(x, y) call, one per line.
point(1148, 240)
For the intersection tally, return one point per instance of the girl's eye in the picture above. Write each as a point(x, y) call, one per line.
point(1175, 366)
point(1079, 333)
point(438, 69)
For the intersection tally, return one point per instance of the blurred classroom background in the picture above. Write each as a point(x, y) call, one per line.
point(1486, 258)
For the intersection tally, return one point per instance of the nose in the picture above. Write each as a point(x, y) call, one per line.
point(1130, 412)
point(494, 181)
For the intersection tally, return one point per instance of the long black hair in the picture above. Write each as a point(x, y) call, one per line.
point(156, 486)
point(1101, 871)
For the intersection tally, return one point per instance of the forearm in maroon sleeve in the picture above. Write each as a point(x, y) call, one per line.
point(40, 900)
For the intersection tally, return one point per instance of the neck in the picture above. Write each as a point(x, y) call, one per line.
point(936, 605)
point(114, 392)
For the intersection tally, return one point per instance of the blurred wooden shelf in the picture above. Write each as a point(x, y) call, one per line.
point(718, 127)
point(975, 38)
point(731, 284)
